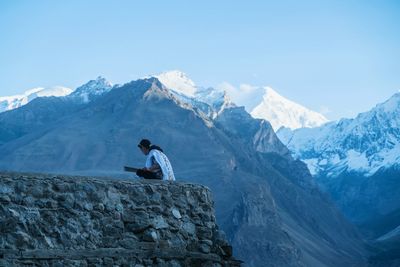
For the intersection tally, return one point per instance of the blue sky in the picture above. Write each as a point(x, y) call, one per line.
point(342, 57)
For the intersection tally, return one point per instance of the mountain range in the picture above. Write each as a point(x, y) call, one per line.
point(266, 201)
point(16, 101)
point(357, 161)
point(261, 102)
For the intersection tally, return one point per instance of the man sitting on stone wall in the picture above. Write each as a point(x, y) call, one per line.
point(157, 164)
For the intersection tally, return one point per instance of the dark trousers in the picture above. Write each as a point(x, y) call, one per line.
point(147, 174)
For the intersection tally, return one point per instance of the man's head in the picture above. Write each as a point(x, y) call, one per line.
point(144, 146)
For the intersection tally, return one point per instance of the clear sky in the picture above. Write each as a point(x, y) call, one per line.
point(340, 57)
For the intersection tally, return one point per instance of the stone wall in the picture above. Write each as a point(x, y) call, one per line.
point(48, 220)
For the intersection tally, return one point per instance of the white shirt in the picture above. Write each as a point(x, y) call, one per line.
point(162, 160)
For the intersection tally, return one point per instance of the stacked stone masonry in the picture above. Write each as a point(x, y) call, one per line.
point(56, 220)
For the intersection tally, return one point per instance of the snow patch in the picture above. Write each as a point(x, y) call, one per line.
point(178, 81)
point(91, 89)
point(312, 165)
point(395, 233)
point(16, 101)
point(357, 161)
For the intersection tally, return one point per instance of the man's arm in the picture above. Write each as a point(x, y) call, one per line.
point(154, 167)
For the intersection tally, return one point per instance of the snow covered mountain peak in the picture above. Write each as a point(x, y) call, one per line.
point(32, 91)
point(365, 144)
point(282, 112)
point(16, 101)
point(178, 81)
point(269, 92)
point(391, 105)
point(272, 96)
point(93, 88)
point(265, 103)
point(260, 102)
point(210, 101)
point(99, 84)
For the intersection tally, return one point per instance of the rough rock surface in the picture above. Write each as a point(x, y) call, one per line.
point(54, 220)
point(267, 203)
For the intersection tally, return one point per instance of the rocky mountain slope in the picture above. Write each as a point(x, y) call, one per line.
point(357, 162)
point(266, 202)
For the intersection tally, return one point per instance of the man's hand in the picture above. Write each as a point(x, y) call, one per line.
point(130, 169)
point(145, 169)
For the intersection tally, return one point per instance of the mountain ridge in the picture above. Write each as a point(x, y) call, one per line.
point(269, 105)
point(16, 101)
point(250, 192)
point(365, 144)
point(356, 161)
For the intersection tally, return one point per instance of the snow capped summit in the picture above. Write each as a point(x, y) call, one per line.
point(16, 101)
point(260, 102)
point(266, 103)
point(391, 105)
point(356, 161)
point(365, 144)
point(178, 81)
point(92, 89)
point(186, 91)
point(280, 111)
point(85, 92)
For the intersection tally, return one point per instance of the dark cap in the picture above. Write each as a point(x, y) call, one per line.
point(144, 143)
